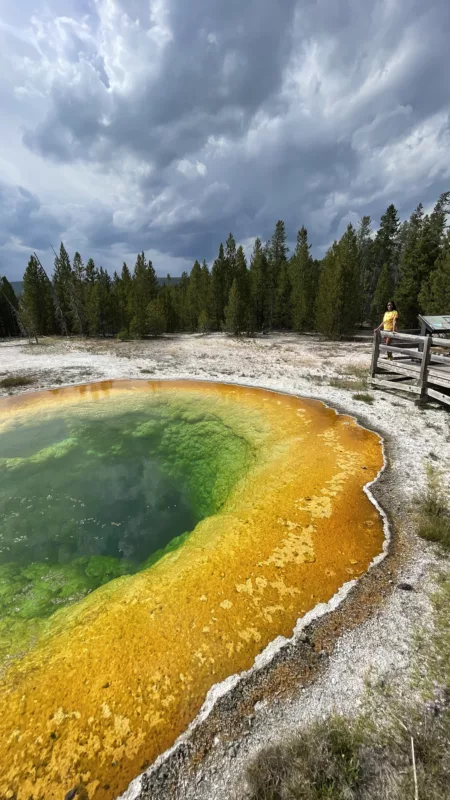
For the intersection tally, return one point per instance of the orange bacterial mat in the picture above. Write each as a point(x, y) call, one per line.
point(114, 679)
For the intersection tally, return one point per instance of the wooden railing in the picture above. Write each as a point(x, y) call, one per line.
point(415, 361)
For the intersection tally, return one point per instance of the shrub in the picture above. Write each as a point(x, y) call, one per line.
point(122, 336)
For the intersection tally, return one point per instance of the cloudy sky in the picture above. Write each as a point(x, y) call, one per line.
point(164, 124)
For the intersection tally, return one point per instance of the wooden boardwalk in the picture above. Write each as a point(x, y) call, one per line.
point(420, 365)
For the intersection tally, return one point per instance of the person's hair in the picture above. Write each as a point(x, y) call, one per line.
point(393, 305)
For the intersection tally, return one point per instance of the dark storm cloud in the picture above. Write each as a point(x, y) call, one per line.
point(23, 218)
point(208, 117)
point(223, 62)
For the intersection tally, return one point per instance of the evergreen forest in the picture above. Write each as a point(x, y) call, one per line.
point(408, 261)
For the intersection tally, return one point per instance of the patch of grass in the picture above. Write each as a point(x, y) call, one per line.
point(147, 371)
point(343, 759)
point(433, 510)
point(364, 397)
point(347, 383)
point(370, 757)
point(16, 380)
point(353, 369)
point(321, 762)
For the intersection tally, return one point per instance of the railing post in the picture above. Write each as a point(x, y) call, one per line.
point(375, 353)
point(423, 376)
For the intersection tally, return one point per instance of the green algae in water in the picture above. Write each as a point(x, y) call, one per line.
point(86, 499)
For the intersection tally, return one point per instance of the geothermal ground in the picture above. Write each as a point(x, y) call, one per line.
point(370, 639)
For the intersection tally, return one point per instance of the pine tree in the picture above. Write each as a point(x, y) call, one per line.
point(77, 295)
point(91, 295)
point(259, 287)
point(194, 297)
point(62, 280)
point(168, 301)
point(282, 318)
point(230, 265)
point(9, 309)
point(366, 265)
point(245, 317)
point(123, 299)
point(383, 293)
point(386, 251)
point(33, 297)
point(103, 292)
point(156, 322)
point(37, 298)
point(304, 276)
point(144, 289)
point(233, 317)
point(434, 297)
point(219, 281)
point(329, 295)
point(205, 300)
point(338, 300)
point(181, 301)
point(408, 288)
point(349, 257)
point(277, 257)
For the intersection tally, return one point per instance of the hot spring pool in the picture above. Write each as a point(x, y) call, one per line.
point(154, 538)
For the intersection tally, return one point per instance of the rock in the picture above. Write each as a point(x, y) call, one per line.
point(71, 794)
point(406, 587)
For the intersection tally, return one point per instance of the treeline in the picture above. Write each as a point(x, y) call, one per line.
point(350, 286)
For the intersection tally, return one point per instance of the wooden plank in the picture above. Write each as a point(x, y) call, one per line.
point(440, 342)
point(440, 373)
point(389, 348)
point(438, 359)
point(443, 369)
point(423, 375)
point(439, 380)
point(375, 352)
point(413, 370)
point(397, 387)
point(393, 378)
point(443, 398)
point(408, 337)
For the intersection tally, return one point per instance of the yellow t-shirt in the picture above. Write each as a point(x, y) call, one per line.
point(388, 320)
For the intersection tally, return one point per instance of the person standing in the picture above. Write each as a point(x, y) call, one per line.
point(389, 322)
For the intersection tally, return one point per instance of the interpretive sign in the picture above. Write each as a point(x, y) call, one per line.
point(435, 324)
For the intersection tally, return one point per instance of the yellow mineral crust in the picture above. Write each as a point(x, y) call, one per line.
point(121, 674)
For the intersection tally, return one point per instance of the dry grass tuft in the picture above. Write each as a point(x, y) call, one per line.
point(343, 759)
point(348, 383)
point(433, 510)
point(364, 397)
point(321, 762)
point(16, 380)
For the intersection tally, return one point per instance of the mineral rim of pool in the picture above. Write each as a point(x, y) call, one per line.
point(98, 680)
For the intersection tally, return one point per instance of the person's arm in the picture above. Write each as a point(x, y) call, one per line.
point(394, 323)
point(379, 328)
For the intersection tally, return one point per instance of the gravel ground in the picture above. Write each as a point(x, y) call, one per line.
point(374, 646)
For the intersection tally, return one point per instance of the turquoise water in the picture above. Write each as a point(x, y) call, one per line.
point(108, 495)
point(87, 498)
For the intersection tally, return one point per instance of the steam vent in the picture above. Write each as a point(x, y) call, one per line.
point(154, 538)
